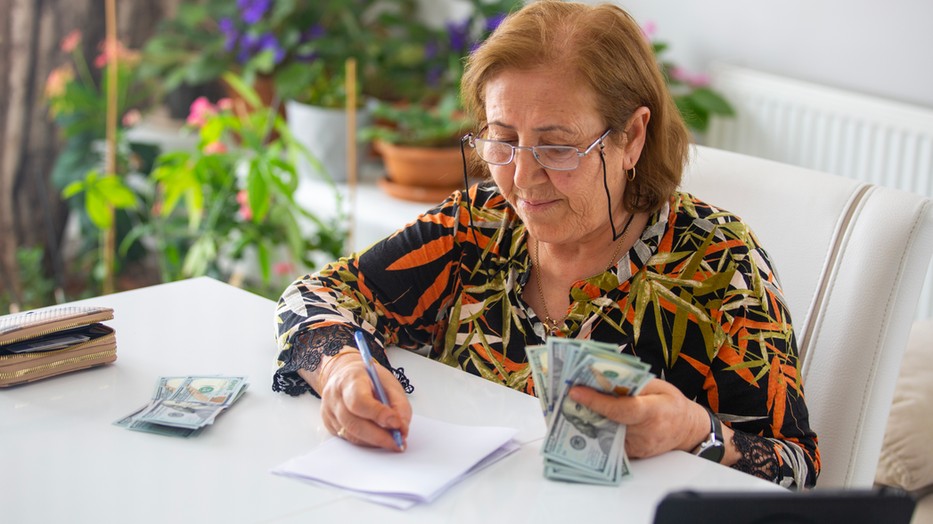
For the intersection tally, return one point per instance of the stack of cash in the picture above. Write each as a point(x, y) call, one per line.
point(183, 406)
point(582, 445)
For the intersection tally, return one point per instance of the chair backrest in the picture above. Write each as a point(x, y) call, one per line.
point(851, 258)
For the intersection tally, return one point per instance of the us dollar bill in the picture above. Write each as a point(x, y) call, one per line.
point(181, 406)
point(538, 361)
point(582, 445)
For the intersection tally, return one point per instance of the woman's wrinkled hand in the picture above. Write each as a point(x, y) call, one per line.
point(660, 418)
point(351, 410)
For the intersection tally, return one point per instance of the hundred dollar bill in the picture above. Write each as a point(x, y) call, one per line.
point(221, 391)
point(579, 438)
point(582, 438)
point(166, 386)
point(182, 406)
point(538, 361)
point(130, 422)
point(558, 471)
point(179, 414)
point(559, 352)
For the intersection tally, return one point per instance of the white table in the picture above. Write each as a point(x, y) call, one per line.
point(62, 460)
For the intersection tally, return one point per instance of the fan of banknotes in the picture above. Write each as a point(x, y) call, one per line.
point(582, 445)
point(183, 406)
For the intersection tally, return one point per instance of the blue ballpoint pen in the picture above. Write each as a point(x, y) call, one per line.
point(377, 385)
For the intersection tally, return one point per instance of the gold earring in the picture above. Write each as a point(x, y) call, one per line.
point(631, 175)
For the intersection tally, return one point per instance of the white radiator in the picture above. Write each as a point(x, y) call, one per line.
point(866, 138)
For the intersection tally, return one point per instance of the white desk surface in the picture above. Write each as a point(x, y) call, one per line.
point(62, 460)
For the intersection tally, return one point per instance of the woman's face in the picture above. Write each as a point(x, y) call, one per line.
point(547, 107)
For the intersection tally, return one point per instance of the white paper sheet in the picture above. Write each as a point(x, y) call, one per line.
point(438, 455)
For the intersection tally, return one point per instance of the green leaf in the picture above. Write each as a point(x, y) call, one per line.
point(248, 93)
point(258, 191)
point(73, 189)
point(116, 192)
point(265, 266)
point(695, 117)
point(201, 254)
point(711, 101)
point(97, 209)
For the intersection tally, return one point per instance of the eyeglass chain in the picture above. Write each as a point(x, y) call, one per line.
point(552, 324)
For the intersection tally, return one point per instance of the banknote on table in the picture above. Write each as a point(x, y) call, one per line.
point(581, 445)
point(182, 406)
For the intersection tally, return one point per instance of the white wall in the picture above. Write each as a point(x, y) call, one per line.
point(876, 47)
point(882, 48)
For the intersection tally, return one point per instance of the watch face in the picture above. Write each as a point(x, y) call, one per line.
point(713, 450)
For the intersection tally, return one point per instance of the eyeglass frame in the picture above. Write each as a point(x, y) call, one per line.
point(471, 139)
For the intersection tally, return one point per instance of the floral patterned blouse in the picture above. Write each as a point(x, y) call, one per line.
point(696, 297)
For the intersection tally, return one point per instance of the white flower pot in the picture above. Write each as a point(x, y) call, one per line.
point(323, 132)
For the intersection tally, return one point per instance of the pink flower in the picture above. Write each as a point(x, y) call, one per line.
point(680, 74)
point(691, 79)
point(283, 268)
point(700, 80)
point(110, 49)
point(58, 80)
point(201, 109)
point(225, 104)
point(71, 41)
point(215, 148)
point(242, 198)
point(649, 29)
point(131, 118)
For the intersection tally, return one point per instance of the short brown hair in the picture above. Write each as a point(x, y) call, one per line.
point(607, 50)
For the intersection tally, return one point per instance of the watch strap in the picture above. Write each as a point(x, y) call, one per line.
point(714, 447)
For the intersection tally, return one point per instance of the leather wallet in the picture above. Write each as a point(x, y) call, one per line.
point(46, 342)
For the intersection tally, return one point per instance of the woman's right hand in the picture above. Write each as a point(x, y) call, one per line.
point(350, 408)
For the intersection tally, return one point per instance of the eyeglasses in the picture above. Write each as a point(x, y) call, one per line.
point(558, 158)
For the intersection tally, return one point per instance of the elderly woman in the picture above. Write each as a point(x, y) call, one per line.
point(581, 234)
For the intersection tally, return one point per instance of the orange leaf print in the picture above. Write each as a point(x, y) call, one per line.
point(422, 256)
point(777, 393)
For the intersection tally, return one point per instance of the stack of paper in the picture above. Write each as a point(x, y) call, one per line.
point(582, 445)
point(438, 455)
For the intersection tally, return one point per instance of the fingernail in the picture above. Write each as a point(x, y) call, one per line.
point(574, 394)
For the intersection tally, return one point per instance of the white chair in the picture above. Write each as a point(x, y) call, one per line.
point(852, 258)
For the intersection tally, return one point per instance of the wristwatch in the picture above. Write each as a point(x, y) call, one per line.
point(713, 448)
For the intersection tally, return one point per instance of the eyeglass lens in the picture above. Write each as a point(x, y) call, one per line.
point(502, 153)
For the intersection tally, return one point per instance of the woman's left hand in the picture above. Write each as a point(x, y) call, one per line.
point(660, 418)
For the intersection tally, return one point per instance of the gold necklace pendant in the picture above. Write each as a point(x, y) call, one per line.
point(550, 324)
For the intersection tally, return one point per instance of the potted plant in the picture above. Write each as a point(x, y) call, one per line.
point(77, 96)
point(229, 205)
point(419, 146)
point(187, 55)
point(695, 100)
point(418, 136)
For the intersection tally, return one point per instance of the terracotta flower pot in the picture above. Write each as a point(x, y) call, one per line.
point(423, 174)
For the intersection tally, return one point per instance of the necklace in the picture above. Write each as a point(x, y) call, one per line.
point(551, 324)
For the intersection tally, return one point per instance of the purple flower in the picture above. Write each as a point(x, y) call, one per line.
point(313, 33)
point(434, 76)
point(458, 34)
point(269, 41)
point(252, 11)
point(230, 33)
point(249, 44)
point(493, 22)
point(431, 49)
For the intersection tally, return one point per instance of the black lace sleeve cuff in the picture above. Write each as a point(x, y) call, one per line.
point(758, 457)
point(307, 351)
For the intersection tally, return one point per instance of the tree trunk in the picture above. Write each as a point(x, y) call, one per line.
point(31, 210)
